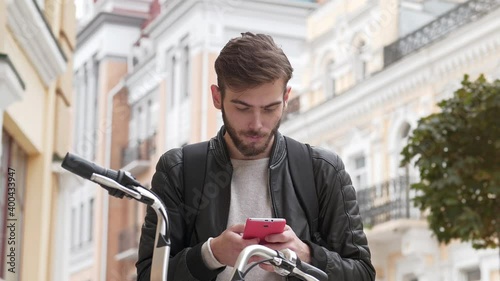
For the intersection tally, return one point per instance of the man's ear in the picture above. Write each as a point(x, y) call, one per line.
point(216, 96)
point(287, 95)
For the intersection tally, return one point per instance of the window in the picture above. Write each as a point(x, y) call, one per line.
point(82, 221)
point(410, 277)
point(360, 62)
point(330, 83)
point(185, 72)
point(81, 232)
point(15, 158)
point(73, 229)
point(473, 274)
point(359, 174)
point(139, 124)
point(172, 81)
point(144, 118)
point(91, 219)
point(86, 86)
point(404, 131)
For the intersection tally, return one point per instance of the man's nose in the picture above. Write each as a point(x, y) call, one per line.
point(256, 122)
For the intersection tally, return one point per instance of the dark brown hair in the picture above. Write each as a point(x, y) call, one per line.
point(250, 60)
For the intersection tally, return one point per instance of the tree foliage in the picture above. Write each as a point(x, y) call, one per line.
point(456, 153)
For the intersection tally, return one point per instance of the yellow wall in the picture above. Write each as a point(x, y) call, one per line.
point(32, 123)
point(29, 113)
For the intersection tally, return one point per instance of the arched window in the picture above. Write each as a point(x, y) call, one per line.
point(329, 81)
point(360, 70)
point(185, 72)
point(173, 77)
point(404, 132)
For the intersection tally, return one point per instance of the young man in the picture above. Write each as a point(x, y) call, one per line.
point(248, 173)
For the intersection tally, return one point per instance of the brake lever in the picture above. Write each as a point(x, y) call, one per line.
point(107, 182)
point(284, 263)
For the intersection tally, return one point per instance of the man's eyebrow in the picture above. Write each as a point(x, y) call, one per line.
point(249, 105)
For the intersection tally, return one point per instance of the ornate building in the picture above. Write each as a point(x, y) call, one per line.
point(376, 67)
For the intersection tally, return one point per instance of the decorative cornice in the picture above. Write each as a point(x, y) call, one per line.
point(175, 10)
point(32, 32)
point(11, 84)
point(106, 18)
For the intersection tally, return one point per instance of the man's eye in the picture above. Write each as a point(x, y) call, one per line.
point(270, 109)
point(242, 108)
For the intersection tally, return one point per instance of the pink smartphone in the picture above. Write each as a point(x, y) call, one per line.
point(261, 227)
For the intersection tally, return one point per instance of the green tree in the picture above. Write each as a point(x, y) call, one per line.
point(455, 151)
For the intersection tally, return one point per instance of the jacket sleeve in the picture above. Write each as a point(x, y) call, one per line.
point(344, 253)
point(185, 263)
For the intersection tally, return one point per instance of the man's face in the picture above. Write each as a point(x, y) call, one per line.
point(251, 118)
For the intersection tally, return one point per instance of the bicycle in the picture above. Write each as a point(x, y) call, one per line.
point(122, 184)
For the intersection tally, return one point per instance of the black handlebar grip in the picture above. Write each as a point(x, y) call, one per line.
point(85, 169)
point(311, 270)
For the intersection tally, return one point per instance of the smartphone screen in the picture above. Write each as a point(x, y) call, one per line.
point(261, 227)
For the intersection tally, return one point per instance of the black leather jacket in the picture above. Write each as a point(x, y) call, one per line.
point(344, 255)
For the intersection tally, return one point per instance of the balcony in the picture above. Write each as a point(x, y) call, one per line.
point(450, 21)
point(387, 202)
point(137, 159)
point(128, 243)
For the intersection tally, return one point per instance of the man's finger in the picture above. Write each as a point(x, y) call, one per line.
point(238, 228)
point(267, 267)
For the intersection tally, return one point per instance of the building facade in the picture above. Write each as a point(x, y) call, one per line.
point(167, 91)
point(376, 67)
point(37, 40)
point(106, 32)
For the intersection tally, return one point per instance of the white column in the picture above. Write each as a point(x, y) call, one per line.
point(90, 112)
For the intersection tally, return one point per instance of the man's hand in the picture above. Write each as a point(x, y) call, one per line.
point(227, 246)
point(287, 240)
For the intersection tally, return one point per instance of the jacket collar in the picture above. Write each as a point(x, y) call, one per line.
point(278, 151)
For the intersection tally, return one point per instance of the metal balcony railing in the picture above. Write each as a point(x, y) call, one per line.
point(141, 151)
point(457, 17)
point(388, 201)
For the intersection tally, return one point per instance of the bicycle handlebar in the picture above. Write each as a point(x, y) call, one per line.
point(121, 183)
point(311, 270)
point(286, 263)
point(85, 169)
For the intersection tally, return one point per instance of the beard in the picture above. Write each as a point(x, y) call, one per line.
point(248, 149)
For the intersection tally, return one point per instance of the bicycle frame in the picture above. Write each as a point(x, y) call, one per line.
point(161, 253)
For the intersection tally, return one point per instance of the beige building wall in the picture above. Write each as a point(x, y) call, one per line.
point(41, 56)
point(106, 34)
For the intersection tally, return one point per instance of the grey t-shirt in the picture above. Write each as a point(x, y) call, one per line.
point(250, 198)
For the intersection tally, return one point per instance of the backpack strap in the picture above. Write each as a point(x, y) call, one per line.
point(301, 170)
point(194, 158)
